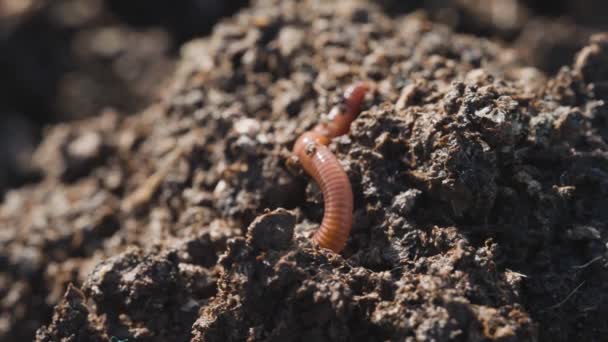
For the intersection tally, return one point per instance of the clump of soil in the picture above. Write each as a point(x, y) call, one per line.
point(479, 184)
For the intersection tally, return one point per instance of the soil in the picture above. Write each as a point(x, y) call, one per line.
point(479, 176)
point(63, 60)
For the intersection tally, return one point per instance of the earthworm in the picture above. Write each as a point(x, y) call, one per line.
point(321, 164)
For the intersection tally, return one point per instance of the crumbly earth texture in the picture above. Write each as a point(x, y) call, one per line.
point(480, 190)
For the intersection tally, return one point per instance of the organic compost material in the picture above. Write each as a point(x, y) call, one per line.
point(480, 185)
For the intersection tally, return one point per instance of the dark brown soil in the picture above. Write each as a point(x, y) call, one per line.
point(480, 184)
point(68, 59)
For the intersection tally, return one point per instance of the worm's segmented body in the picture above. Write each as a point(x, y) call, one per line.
point(323, 166)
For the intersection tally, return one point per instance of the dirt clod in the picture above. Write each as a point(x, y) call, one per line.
point(272, 231)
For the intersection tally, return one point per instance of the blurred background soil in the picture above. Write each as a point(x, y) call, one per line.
point(74, 74)
point(67, 59)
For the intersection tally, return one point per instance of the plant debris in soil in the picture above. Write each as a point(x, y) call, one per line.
point(479, 185)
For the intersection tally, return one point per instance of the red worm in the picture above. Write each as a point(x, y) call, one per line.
point(321, 164)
